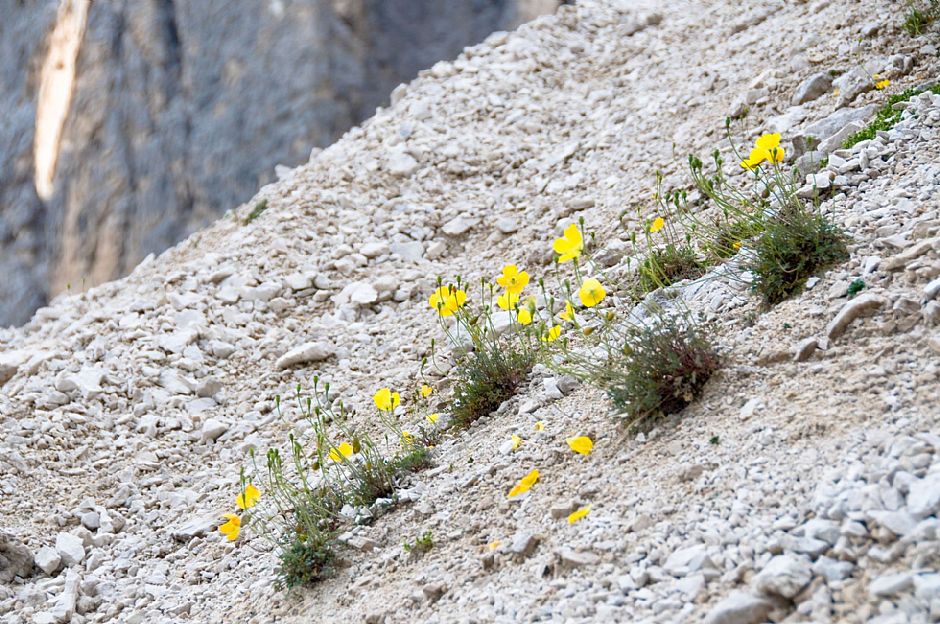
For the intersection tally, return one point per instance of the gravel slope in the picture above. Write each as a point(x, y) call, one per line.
point(127, 410)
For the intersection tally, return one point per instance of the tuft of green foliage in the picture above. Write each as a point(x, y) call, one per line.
point(856, 287)
point(422, 544)
point(795, 245)
point(485, 379)
point(920, 17)
point(260, 207)
point(886, 118)
point(662, 369)
point(305, 560)
point(669, 264)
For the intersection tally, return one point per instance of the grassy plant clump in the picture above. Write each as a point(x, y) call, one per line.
point(796, 245)
point(669, 264)
point(886, 118)
point(260, 207)
point(920, 16)
point(422, 544)
point(305, 559)
point(485, 380)
point(662, 368)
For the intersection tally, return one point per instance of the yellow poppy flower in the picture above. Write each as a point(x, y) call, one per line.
point(736, 245)
point(552, 334)
point(657, 224)
point(343, 450)
point(591, 293)
point(407, 438)
point(248, 498)
point(768, 142)
point(524, 316)
point(581, 444)
point(426, 390)
point(574, 516)
point(512, 279)
point(232, 528)
point(540, 425)
point(775, 154)
point(507, 301)
point(754, 160)
point(386, 400)
point(432, 418)
point(882, 84)
point(447, 300)
point(516, 442)
point(525, 484)
point(569, 246)
point(568, 314)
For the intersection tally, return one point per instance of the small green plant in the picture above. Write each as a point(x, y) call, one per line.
point(422, 544)
point(305, 559)
point(920, 16)
point(669, 264)
point(260, 207)
point(796, 245)
point(714, 440)
point(886, 118)
point(856, 287)
point(662, 368)
point(486, 379)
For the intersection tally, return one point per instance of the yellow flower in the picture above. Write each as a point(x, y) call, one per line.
point(736, 245)
point(386, 400)
point(552, 334)
point(494, 544)
point(568, 314)
point(591, 293)
point(407, 438)
point(248, 498)
point(525, 484)
point(339, 452)
point(768, 142)
point(657, 225)
point(569, 246)
point(574, 516)
point(540, 425)
point(232, 528)
point(775, 154)
point(581, 444)
point(447, 300)
point(426, 390)
point(512, 279)
point(882, 84)
point(516, 442)
point(754, 159)
point(507, 301)
point(524, 316)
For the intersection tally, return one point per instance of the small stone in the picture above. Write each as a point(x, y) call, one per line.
point(212, 429)
point(48, 560)
point(433, 591)
point(507, 225)
point(524, 544)
point(412, 251)
point(64, 607)
point(740, 608)
point(15, 558)
point(891, 585)
point(574, 559)
point(812, 88)
point(196, 527)
point(832, 569)
point(305, 353)
point(458, 226)
point(861, 305)
point(927, 587)
point(562, 510)
point(374, 249)
point(805, 349)
point(91, 520)
point(923, 499)
point(784, 575)
point(686, 560)
point(70, 548)
point(401, 164)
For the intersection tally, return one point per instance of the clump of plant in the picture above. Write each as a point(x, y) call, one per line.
point(886, 118)
point(857, 286)
point(297, 510)
point(489, 366)
point(661, 369)
point(260, 207)
point(920, 16)
point(421, 544)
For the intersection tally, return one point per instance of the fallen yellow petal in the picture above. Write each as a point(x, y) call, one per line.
point(581, 444)
point(574, 516)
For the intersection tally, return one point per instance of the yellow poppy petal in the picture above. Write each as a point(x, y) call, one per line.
point(574, 516)
point(582, 445)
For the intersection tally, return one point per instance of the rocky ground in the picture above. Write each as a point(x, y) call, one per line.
point(803, 486)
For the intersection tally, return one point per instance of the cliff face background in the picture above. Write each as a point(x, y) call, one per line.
point(126, 125)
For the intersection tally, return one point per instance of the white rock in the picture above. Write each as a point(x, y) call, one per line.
point(687, 560)
point(309, 352)
point(410, 252)
point(401, 164)
point(212, 429)
point(70, 548)
point(374, 249)
point(923, 499)
point(64, 607)
point(458, 226)
point(891, 585)
point(861, 305)
point(740, 608)
point(784, 575)
point(48, 560)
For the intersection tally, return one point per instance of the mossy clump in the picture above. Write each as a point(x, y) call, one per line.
point(485, 380)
